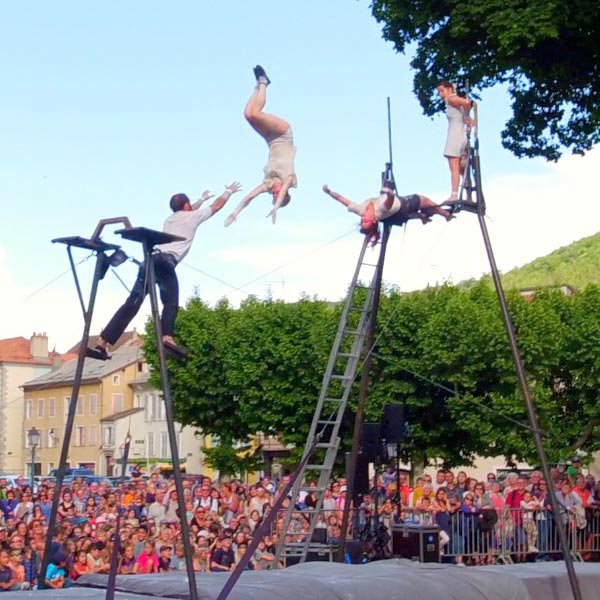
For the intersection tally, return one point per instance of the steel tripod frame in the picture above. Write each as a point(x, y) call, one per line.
point(475, 163)
point(100, 248)
point(149, 238)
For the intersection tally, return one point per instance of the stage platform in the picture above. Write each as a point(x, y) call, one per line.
point(382, 580)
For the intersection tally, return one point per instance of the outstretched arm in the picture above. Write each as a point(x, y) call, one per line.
point(281, 196)
point(219, 203)
point(259, 189)
point(336, 196)
point(206, 195)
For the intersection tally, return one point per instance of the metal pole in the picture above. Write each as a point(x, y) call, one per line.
point(362, 396)
point(32, 465)
point(521, 376)
point(164, 378)
point(87, 315)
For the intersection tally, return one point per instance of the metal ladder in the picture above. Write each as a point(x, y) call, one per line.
point(335, 391)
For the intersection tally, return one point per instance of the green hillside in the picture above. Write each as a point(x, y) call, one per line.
point(576, 265)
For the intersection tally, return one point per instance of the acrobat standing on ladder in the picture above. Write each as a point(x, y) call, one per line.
point(183, 222)
point(389, 209)
point(279, 171)
point(459, 122)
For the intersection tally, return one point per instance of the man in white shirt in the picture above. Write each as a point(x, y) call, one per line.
point(183, 222)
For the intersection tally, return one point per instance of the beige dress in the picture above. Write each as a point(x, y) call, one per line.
point(281, 159)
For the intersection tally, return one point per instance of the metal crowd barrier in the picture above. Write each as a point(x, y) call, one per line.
point(507, 536)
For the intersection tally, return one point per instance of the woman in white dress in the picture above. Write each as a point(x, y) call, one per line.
point(457, 111)
point(279, 171)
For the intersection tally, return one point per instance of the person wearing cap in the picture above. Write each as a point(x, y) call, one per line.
point(574, 468)
point(164, 558)
point(55, 572)
point(223, 558)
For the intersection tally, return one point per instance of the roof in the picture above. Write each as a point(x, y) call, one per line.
point(120, 415)
point(18, 350)
point(93, 370)
point(128, 338)
point(141, 380)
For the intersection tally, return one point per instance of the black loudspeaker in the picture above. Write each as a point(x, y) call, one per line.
point(370, 441)
point(361, 475)
point(393, 424)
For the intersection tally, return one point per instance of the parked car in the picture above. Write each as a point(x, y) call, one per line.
point(75, 472)
point(11, 480)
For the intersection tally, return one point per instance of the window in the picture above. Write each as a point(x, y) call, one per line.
point(51, 407)
point(79, 436)
point(150, 445)
point(93, 435)
point(116, 379)
point(93, 404)
point(51, 438)
point(150, 407)
point(117, 403)
point(164, 444)
point(50, 466)
point(80, 407)
point(161, 408)
point(40, 408)
point(108, 438)
point(28, 409)
point(66, 405)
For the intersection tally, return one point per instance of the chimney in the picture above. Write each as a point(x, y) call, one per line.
point(38, 346)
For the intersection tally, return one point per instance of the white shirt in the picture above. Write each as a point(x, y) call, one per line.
point(184, 224)
point(381, 211)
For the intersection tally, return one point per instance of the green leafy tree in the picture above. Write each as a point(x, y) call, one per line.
point(546, 51)
point(442, 351)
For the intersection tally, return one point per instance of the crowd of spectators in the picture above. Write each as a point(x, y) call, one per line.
point(223, 518)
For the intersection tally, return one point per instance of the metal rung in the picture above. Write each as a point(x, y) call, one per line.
point(326, 445)
point(366, 264)
point(342, 377)
point(338, 400)
point(348, 355)
point(327, 422)
point(360, 309)
point(354, 332)
point(317, 467)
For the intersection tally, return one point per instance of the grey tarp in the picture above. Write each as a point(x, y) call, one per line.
point(383, 580)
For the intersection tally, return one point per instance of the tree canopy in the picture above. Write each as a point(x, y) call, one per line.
point(442, 351)
point(546, 51)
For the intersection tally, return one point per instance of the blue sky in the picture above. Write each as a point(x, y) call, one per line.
point(111, 107)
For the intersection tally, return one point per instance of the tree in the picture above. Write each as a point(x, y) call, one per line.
point(442, 351)
point(546, 51)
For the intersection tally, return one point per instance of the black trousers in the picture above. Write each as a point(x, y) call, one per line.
point(168, 285)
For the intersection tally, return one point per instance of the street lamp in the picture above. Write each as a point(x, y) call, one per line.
point(33, 437)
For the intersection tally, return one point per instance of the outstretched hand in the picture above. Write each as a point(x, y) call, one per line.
point(206, 195)
point(326, 189)
point(234, 187)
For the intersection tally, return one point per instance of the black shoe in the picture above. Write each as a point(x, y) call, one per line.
point(175, 351)
point(260, 72)
point(99, 353)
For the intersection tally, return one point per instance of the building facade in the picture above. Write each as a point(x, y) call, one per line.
point(21, 359)
point(110, 406)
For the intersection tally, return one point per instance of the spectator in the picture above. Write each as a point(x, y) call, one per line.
point(55, 576)
point(147, 561)
point(222, 558)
